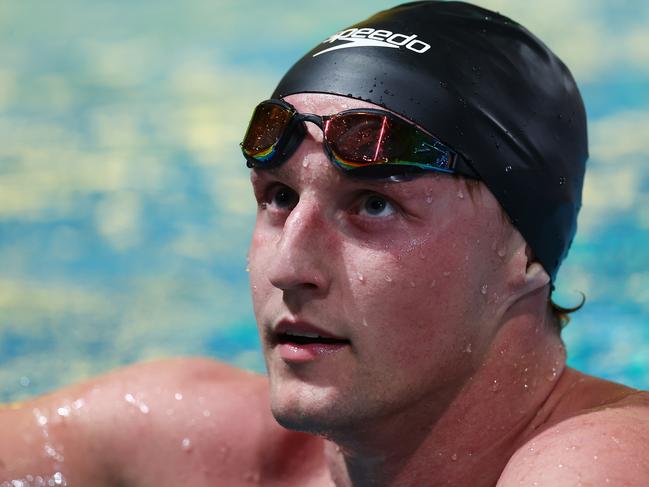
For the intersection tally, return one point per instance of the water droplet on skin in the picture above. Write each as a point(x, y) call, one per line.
point(305, 163)
point(429, 199)
point(412, 284)
point(129, 398)
point(454, 457)
point(460, 194)
point(433, 283)
point(446, 273)
point(63, 411)
point(59, 479)
point(365, 322)
point(186, 444)
point(560, 465)
point(388, 278)
point(483, 289)
point(502, 252)
point(495, 386)
point(551, 376)
point(206, 413)
point(360, 276)
point(51, 452)
point(467, 349)
point(178, 396)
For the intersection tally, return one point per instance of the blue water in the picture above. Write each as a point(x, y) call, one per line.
point(124, 204)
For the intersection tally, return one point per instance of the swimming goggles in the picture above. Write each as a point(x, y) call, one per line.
point(363, 141)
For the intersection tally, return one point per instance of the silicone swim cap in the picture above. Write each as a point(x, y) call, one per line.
point(486, 87)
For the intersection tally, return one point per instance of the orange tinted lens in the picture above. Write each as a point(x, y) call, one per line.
point(362, 138)
point(266, 128)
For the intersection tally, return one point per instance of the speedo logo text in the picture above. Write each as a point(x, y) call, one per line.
point(368, 37)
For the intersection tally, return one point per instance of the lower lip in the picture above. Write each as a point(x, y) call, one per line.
point(300, 353)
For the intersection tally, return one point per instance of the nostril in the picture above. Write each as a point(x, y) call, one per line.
point(288, 283)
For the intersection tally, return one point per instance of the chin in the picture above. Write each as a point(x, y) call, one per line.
point(310, 410)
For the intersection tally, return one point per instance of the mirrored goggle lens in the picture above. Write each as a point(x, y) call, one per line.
point(363, 139)
point(265, 130)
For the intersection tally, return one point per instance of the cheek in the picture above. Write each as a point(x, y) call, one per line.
point(429, 291)
point(259, 253)
point(411, 289)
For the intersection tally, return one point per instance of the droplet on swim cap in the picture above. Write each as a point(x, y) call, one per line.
point(485, 86)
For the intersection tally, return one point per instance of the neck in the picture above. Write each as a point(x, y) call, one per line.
point(468, 439)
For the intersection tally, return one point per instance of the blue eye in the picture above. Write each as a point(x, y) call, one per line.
point(375, 205)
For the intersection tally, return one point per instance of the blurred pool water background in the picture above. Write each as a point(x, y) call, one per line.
point(125, 211)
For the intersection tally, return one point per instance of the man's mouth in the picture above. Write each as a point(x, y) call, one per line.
point(301, 333)
point(307, 338)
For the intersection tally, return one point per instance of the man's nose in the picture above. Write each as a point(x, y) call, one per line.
point(303, 252)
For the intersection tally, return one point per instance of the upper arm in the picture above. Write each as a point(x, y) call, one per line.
point(607, 447)
point(131, 426)
point(44, 443)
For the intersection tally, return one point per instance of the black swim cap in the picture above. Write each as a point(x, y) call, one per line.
point(485, 86)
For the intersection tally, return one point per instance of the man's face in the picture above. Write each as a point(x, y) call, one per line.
point(412, 275)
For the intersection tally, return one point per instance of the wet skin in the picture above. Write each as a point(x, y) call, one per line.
point(441, 367)
point(413, 274)
point(448, 350)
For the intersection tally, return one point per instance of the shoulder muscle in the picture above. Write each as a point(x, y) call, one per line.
point(607, 446)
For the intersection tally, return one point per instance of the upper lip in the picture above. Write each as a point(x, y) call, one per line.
point(299, 327)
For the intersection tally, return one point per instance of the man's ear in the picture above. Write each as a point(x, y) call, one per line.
point(536, 276)
point(530, 274)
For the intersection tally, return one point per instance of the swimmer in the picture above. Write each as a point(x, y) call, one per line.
point(418, 178)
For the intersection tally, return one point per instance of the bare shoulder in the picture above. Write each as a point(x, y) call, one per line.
point(605, 444)
point(208, 422)
point(170, 419)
